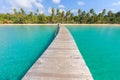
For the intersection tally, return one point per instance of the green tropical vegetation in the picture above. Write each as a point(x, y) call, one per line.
point(57, 16)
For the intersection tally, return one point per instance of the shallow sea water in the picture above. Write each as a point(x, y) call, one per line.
point(100, 47)
point(20, 47)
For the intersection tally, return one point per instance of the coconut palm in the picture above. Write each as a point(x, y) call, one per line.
point(62, 16)
point(53, 15)
point(58, 15)
point(79, 15)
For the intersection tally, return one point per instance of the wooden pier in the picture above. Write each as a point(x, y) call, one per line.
point(61, 61)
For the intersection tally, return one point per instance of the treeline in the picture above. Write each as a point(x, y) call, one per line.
point(83, 17)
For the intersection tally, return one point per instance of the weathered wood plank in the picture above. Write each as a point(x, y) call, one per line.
point(61, 61)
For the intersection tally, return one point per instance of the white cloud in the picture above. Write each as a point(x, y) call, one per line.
point(116, 3)
point(6, 10)
point(49, 10)
point(74, 10)
point(80, 3)
point(61, 6)
point(26, 4)
point(62, 10)
point(56, 1)
point(112, 9)
point(20, 4)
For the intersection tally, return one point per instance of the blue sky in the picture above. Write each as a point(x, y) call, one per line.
point(44, 6)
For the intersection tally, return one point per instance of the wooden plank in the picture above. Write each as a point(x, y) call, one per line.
point(61, 61)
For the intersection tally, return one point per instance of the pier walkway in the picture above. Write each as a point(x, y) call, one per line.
point(61, 61)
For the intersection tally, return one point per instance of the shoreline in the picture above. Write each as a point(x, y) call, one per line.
point(62, 24)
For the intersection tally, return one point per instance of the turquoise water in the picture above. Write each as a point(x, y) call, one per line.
point(20, 47)
point(100, 47)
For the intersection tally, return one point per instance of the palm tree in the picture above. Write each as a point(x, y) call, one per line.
point(83, 18)
point(88, 17)
point(111, 17)
point(93, 16)
point(76, 19)
point(42, 18)
point(62, 16)
point(30, 17)
point(110, 13)
point(57, 12)
point(53, 15)
point(22, 11)
point(117, 15)
point(67, 15)
point(79, 14)
point(58, 15)
point(99, 18)
point(71, 17)
point(103, 15)
point(104, 12)
point(37, 11)
point(92, 12)
point(15, 11)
